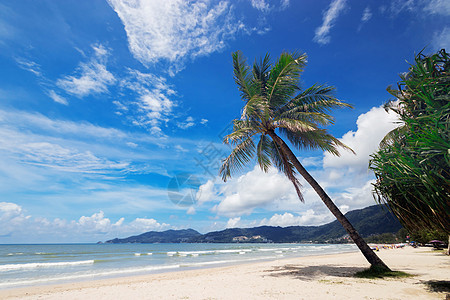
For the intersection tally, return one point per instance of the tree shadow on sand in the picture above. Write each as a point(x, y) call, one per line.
point(310, 273)
point(442, 286)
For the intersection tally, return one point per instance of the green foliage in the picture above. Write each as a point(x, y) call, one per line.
point(412, 166)
point(377, 272)
point(274, 101)
point(424, 236)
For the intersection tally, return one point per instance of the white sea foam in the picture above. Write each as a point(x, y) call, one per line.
point(137, 254)
point(11, 267)
point(149, 253)
point(89, 275)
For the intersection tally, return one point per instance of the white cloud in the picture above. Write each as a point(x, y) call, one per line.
point(30, 66)
point(13, 222)
point(367, 15)
point(441, 39)
point(64, 159)
point(371, 129)
point(329, 18)
point(11, 216)
point(440, 7)
point(92, 77)
point(203, 121)
point(253, 189)
point(174, 30)
point(57, 98)
point(189, 122)
point(307, 218)
point(260, 5)
point(142, 225)
point(153, 103)
point(233, 222)
point(35, 121)
point(205, 192)
point(180, 148)
point(284, 4)
point(191, 210)
point(357, 196)
point(399, 6)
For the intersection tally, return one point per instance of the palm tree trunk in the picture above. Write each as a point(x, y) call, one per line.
point(368, 253)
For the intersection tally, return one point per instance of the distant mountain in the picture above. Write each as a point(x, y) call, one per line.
point(367, 221)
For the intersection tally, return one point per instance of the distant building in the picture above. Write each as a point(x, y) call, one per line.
point(241, 238)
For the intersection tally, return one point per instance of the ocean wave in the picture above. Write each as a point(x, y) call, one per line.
point(86, 276)
point(11, 267)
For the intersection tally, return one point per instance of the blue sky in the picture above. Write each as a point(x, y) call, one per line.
point(103, 103)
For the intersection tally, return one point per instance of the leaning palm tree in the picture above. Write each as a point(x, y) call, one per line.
point(276, 106)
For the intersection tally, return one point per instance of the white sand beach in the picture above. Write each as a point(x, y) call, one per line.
point(313, 277)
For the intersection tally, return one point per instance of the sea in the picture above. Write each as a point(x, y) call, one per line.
point(31, 265)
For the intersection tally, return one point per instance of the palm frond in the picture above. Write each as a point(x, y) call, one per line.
point(315, 139)
point(263, 150)
point(242, 129)
point(295, 125)
point(256, 109)
point(284, 165)
point(317, 98)
point(240, 155)
point(242, 75)
point(284, 77)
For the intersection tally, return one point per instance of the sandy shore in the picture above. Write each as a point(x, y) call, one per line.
point(314, 277)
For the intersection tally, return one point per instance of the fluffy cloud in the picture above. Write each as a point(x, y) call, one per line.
point(307, 218)
point(329, 18)
point(371, 128)
point(233, 222)
point(14, 222)
point(205, 192)
point(92, 77)
point(174, 30)
point(11, 216)
point(252, 190)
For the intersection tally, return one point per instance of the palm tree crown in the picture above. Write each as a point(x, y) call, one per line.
point(274, 100)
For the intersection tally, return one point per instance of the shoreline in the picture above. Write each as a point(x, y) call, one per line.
point(320, 277)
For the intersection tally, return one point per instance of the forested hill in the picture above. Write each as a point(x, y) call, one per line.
point(367, 221)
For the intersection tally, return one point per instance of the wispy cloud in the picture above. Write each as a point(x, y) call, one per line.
point(29, 65)
point(439, 7)
point(173, 31)
point(189, 122)
point(57, 98)
point(367, 15)
point(441, 39)
point(92, 77)
point(261, 5)
point(329, 17)
point(154, 101)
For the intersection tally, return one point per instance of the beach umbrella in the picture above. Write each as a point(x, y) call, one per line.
point(435, 241)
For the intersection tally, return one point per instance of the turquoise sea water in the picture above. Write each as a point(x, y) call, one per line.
point(27, 265)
